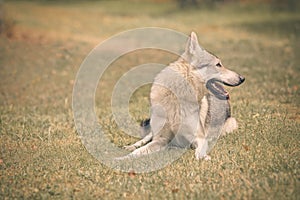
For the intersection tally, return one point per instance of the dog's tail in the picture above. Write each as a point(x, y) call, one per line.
point(145, 127)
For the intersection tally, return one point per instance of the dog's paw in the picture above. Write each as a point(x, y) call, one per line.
point(229, 126)
point(200, 154)
point(201, 148)
point(204, 157)
point(130, 148)
point(207, 157)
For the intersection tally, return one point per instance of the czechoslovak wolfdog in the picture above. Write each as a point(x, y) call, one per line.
point(189, 105)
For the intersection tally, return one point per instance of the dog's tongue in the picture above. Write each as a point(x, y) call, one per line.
point(217, 89)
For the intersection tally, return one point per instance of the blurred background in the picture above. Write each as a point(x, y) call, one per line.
point(44, 42)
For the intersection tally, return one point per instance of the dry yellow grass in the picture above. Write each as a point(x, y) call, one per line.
point(41, 154)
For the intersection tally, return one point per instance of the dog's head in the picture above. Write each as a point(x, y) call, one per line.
point(210, 68)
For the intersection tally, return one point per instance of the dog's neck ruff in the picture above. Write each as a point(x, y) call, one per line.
point(186, 70)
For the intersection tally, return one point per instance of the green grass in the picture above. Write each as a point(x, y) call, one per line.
point(42, 155)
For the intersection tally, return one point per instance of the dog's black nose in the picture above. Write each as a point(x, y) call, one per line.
point(242, 79)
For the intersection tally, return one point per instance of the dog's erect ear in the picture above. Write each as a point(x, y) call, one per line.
point(193, 51)
point(192, 44)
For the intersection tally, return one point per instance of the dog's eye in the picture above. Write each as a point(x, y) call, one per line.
point(218, 65)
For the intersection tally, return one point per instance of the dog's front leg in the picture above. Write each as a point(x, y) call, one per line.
point(201, 145)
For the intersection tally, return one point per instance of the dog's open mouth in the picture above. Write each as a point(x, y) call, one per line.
point(215, 87)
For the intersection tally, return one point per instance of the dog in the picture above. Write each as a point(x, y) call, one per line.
point(189, 105)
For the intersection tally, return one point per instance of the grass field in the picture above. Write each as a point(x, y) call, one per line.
point(42, 156)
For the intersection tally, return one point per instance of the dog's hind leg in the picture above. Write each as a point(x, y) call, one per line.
point(140, 143)
point(146, 134)
point(159, 141)
point(153, 146)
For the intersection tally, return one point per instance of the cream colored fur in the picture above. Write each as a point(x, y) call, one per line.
point(182, 109)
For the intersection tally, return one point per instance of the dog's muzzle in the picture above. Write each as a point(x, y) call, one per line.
point(215, 87)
